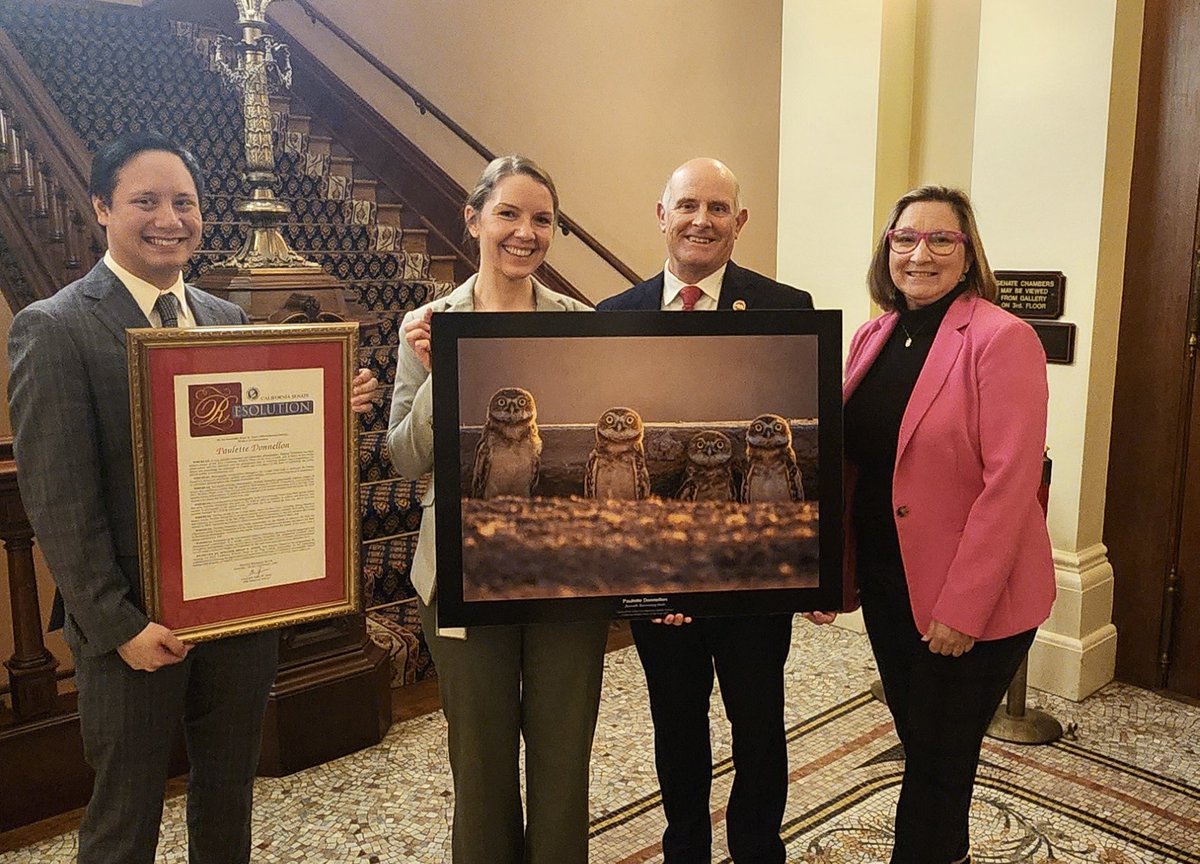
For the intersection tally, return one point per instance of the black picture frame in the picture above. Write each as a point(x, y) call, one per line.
point(646, 353)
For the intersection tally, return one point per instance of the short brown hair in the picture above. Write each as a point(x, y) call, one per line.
point(979, 276)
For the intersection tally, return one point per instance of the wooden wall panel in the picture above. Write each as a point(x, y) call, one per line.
point(1150, 379)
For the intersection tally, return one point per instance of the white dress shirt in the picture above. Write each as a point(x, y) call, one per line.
point(145, 294)
point(710, 290)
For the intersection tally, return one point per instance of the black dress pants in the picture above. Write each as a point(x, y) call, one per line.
point(748, 655)
point(942, 707)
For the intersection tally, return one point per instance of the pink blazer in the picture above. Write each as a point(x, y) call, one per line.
point(969, 460)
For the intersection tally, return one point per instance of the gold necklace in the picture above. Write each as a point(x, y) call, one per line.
point(911, 334)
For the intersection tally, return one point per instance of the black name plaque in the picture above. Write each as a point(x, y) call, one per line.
point(1031, 293)
point(1058, 340)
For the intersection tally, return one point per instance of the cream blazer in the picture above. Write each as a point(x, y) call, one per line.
point(410, 428)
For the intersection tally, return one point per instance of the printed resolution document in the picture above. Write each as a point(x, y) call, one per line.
point(251, 463)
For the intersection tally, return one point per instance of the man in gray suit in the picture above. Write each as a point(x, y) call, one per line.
point(69, 398)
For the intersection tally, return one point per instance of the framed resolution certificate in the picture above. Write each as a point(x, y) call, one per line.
point(243, 444)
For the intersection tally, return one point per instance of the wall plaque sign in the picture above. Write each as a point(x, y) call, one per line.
point(1031, 293)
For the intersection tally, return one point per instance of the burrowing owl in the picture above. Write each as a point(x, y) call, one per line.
point(509, 450)
point(771, 472)
point(617, 466)
point(709, 475)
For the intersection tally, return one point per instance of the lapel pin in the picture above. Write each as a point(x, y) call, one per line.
point(739, 305)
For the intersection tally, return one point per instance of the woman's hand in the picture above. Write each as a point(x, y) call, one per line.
point(417, 335)
point(820, 617)
point(362, 391)
point(947, 641)
point(674, 619)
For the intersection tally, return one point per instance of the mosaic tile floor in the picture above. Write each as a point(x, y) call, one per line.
point(1125, 790)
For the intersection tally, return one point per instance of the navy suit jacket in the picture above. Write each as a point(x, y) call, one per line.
point(754, 289)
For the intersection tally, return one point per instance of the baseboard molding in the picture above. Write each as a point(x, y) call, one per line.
point(1070, 667)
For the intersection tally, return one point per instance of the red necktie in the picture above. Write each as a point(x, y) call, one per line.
point(690, 294)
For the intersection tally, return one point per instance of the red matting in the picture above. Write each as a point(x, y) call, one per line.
point(163, 365)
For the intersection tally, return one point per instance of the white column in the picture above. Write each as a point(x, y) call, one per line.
point(1054, 124)
point(829, 160)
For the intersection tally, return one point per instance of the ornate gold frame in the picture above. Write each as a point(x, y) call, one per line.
point(140, 345)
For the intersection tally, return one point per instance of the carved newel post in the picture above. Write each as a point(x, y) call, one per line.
point(31, 667)
point(265, 273)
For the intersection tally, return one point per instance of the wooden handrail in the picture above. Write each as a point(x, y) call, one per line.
point(47, 129)
point(423, 105)
point(44, 208)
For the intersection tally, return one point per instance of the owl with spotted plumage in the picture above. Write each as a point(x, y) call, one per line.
point(616, 467)
point(771, 471)
point(709, 472)
point(510, 449)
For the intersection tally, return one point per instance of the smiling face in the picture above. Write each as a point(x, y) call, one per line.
point(513, 226)
point(919, 275)
point(700, 219)
point(153, 224)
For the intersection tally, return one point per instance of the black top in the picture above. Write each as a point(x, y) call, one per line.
point(872, 432)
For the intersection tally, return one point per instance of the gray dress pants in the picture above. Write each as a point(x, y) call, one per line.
point(128, 721)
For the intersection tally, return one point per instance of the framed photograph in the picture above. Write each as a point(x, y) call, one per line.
point(631, 464)
point(243, 444)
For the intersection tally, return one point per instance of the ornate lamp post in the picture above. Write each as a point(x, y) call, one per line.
point(266, 277)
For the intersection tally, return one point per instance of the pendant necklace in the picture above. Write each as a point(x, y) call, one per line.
point(911, 334)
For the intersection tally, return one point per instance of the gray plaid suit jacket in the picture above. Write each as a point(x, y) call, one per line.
point(69, 403)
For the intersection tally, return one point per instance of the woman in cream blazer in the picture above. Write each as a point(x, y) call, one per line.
point(540, 682)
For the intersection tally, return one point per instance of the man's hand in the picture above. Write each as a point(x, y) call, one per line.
point(947, 641)
point(674, 619)
point(820, 617)
point(362, 391)
point(417, 335)
point(153, 648)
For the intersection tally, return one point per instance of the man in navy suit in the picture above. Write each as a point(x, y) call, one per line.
point(700, 214)
point(69, 402)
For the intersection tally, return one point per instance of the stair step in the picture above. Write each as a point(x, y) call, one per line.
point(389, 509)
point(342, 166)
point(415, 240)
point(319, 145)
point(363, 189)
point(398, 631)
point(300, 123)
point(385, 566)
point(388, 213)
point(441, 267)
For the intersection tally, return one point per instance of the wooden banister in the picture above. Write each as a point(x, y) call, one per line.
point(44, 204)
point(565, 222)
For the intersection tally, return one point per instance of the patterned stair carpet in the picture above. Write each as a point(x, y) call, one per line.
point(162, 80)
point(1125, 790)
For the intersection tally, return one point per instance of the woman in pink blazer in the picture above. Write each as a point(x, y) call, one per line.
point(945, 424)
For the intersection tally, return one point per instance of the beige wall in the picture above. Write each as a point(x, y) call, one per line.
point(609, 97)
point(1030, 105)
